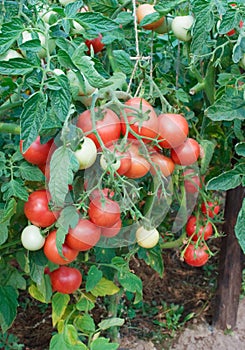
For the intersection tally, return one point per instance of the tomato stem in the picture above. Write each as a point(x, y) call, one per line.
point(10, 128)
point(174, 244)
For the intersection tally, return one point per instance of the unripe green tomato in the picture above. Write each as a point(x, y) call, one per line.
point(26, 36)
point(181, 26)
point(31, 238)
point(66, 2)
point(165, 27)
point(104, 164)
point(77, 88)
point(147, 238)
point(9, 55)
point(87, 154)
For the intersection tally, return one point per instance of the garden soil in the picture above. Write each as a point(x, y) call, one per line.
point(145, 325)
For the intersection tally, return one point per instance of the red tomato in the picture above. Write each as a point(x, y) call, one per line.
point(143, 121)
point(192, 181)
point(210, 209)
point(84, 236)
point(163, 163)
point(104, 212)
point(112, 231)
point(139, 165)
point(204, 231)
point(144, 10)
point(96, 44)
point(108, 126)
point(233, 31)
point(106, 192)
point(52, 254)
point(187, 153)
point(37, 211)
point(65, 279)
point(196, 256)
point(173, 130)
point(37, 153)
point(123, 157)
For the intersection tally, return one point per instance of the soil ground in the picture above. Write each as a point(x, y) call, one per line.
point(159, 322)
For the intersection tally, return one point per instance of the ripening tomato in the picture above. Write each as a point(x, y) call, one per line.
point(113, 230)
point(31, 238)
point(139, 165)
point(37, 211)
point(181, 26)
point(196, 256)
point(192, 181)
point(144, 10)
point(173, 130)
point(104, 212)
point(37, 153)
point(210, 209)
point(96, 43)
point(194, 231)
point(52, 254)
point(84, 236)
point(162, 163)
point(187, 153)
point(107, 123)
point(143, 120)
point(65, 280)
point(147, 238)
point(105, 192)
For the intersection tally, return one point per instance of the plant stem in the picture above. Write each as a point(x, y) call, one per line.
point(174, 244)
point(10, 105)
point(10, 128)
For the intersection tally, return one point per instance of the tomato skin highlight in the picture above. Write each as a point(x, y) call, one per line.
point(139, 165)
point(144, 10)
point(37, 211)
point(65, 280)
point(187, 153)
point(162, 163)
point(51, 252)
point(96, 43)
point(196, 256)
point(84, 236)
point(113, 230)
point(205, 231)
point(145, 128)
point(173, 130)
point(37, 153)
point(109, 127)
point(104, 212)
point(210, 209)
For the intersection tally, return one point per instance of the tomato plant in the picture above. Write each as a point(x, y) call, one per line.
point(38, 152)
point(196, 256)
point(65, 280)
point(198, 228)
point(83, 236)
point(50, 250)
point(139, 166)
point(165, 164)
point(86, 153)
point(187, 153)
point(173, 130)
point(181, 26)
point(31, 238)
point(147, 238)
point(113, 230)
point(210, 208)
point(192, 181)
point(96, 43)
point(104, 212)
point(148, 10)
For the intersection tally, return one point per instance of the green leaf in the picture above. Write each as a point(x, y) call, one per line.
point(85, 324)
point(229, 107)
point(62, 165)
point(239, 49)
point(229, 21)
point(68, 218)
point(14, 188)
point(30, 173)
point(2, 160)
point(239, 227)
point(95, 22)
point(9, 34)
point(94, 276)
point(111, 322)
point(43, 291)
point(58, 341)
point(86, 66)
point(164, 7)
point(37, 262)
point(153, 258)
point(65, 60)
point(103, 344)
point(150, 18)
point(15, 279)
point(3, 230)
point(226, 181)
point(104, 6)
point(208, 148)
point(61, 98)
point(123, 61)
point(9, 211)
point(72, 8)
point(240, 149)
point(16, 66)
point(86, 303)
point(8, 306)
point(59, 305)
point(104, 287)
point(131, 283)
point(32, 118)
